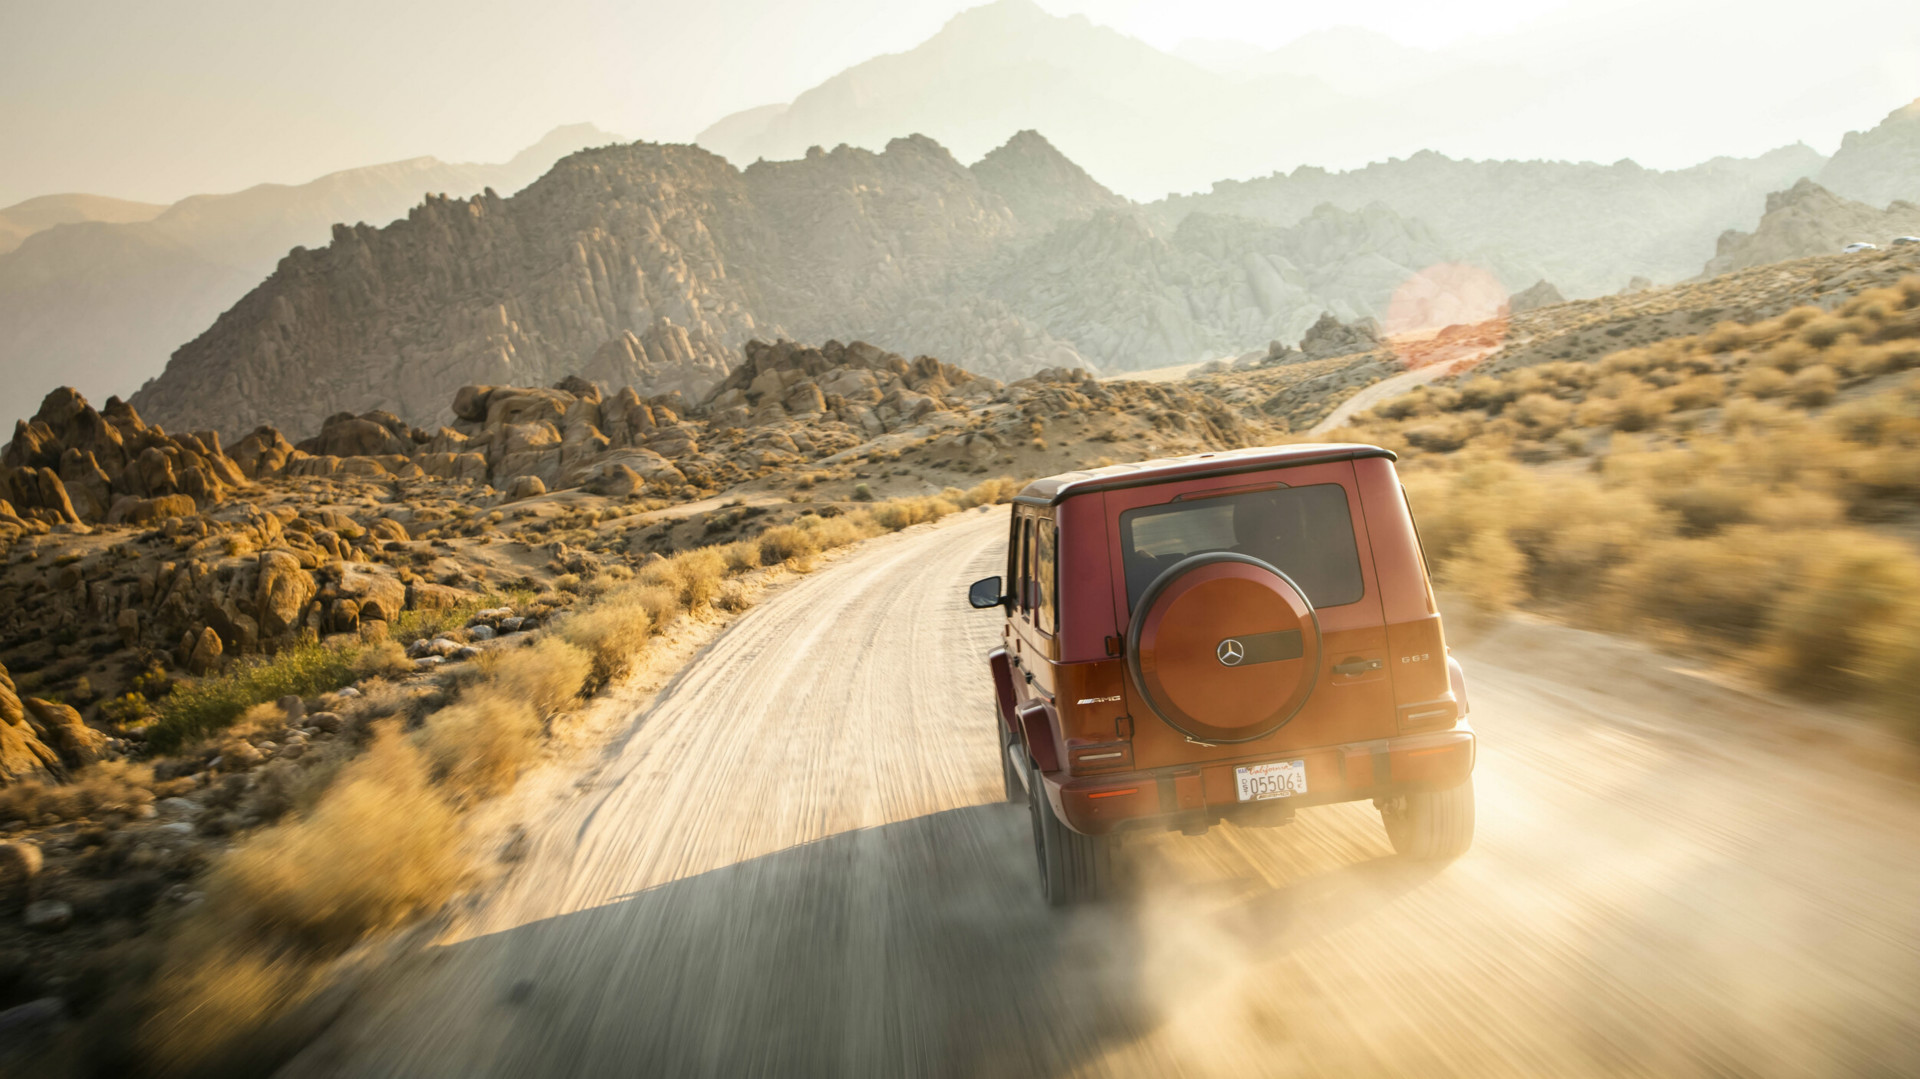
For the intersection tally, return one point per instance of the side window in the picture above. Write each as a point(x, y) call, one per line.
point(1026, 565)
point(1013, 555)
point(1043, 575)
point(1022, 559)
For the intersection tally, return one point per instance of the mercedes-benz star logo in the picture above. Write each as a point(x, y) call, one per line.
point(1230, 652)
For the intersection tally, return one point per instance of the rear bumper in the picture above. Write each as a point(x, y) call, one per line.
point(1196, 795)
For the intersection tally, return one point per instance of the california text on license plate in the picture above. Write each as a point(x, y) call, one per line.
point(1280, 779)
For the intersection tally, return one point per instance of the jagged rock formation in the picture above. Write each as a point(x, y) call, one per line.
point(1130, 294)
point(72, 465)
point(1807, 219)
point(1042, 187)
point(1532, 298)
point(1881, 165)
point(1331, 337)
point(668, 244)
point(669, 253)
point(869, 390)
point(100, 300)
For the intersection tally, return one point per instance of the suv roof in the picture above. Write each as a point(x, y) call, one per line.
point(1054, 489)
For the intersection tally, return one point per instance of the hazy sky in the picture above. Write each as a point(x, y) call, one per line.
point(158, 100)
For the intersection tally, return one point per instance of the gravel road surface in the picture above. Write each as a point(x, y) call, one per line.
point(794, 863)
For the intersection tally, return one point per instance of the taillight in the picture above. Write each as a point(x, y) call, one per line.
point(1422, 687)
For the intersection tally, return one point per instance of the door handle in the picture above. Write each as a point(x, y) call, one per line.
point(1356, 666)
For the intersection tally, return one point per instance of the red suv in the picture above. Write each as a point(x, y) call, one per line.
point(1226, 636)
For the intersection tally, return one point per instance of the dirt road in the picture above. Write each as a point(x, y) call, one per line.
point(795, 864)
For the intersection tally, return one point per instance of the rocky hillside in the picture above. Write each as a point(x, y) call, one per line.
point(1807, 219)
point(99, 291)
point(1881, 165)
point(1019, 263)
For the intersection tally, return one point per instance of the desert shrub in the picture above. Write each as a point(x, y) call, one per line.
point(210, 1006)
point(613, 632)
point(993, 492)
point(787, 543)
point(1764, 382)
point(106, 787)
point(1725, 337)
point(1722, 586)
point(1541, 413)
point(382, 659)
point(1699, 391)
point(1814, 385)
point(742, 556)
point(479, 743)
point(1828, 632)
point(1490, 570)
point(693, 575)
point(380, 847)
point(905, 512)
point(1638, 411)
point(862, 493)
point(547, 675)
point(211, 704)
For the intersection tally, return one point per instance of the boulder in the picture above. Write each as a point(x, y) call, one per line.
point(525, 487)
point(146, 511)
point(20, 863)
point(48, 915)
point(375, 597)
point(282, 594)
point(61, 727)
point(434, 597)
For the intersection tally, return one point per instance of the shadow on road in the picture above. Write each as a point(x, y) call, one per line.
point(917, 948)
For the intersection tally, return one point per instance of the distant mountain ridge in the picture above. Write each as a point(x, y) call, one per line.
point(23, 219)
point(652, 265)
point(97, 297)
point(1880, 165)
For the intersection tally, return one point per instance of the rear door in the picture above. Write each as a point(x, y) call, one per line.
point(1319, 540)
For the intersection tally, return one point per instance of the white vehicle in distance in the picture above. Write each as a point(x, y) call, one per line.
point(1901, 241)
point(1851, 249)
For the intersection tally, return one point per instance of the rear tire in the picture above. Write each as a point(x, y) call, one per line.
point(1074, 868)
point(1431, 825)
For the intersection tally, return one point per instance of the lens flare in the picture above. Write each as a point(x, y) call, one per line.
point(1446, 313)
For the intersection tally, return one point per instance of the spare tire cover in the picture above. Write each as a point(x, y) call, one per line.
point(1224, 648)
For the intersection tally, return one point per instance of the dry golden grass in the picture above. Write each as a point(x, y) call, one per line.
point(379, 847)
point(106, 787)
point(382, 659)
point(547, 675)
point(479, 744)
point(1753, 490)
point(613, 632)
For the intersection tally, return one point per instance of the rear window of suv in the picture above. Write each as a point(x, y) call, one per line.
point(1305, 532)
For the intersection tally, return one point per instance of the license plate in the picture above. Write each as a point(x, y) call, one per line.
point(1280, 779)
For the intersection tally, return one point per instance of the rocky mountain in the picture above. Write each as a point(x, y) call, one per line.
point(1131, 294)
point(649, 265)
point(1881, 165)
point(1588, 228)
point(1807, 219)
point(23, 219)
point(99, 291)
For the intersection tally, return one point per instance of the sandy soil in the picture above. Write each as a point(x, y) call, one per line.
point(794, 863)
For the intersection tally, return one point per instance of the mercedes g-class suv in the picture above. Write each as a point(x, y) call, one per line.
point(1225, 636)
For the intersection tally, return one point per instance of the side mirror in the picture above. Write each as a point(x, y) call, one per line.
point(986, 593)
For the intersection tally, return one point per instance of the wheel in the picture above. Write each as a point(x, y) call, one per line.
point(1010, 772)
point(1074, 868)
point(1431, 825)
